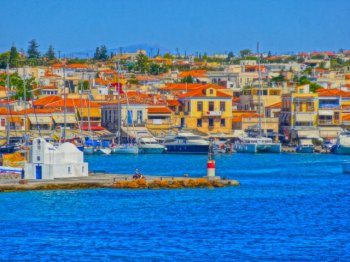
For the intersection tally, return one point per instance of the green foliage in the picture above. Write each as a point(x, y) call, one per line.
point(230, 56)
point(4, 59)
point(142, 63)
point(308, 70)
point(313, 86)
point(86, 85)
point(17, 84)
point(278, 79)
point(101, 53)
point(14, 57)
point(168, 56)
point(133, 80)
point(187, 79)
point(33, 50)
point(77, 61)
point(156, 69)
point(245, 52)
point(50, 54)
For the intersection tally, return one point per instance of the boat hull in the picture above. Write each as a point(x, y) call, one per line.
point(302, 149)
point(88, 150)
point(187, 149)
point(245, 148)
point(125, 150)
point(341, 150)
point(269, 148)
point(151, 150)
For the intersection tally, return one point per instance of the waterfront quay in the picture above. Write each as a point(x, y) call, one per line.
point(10, 183)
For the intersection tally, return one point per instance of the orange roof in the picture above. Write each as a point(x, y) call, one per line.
point(181, 86)
point(46, 100)
point(173, 103)
point(2, 88)
point(276, 105)
point(102, 82)
point(146, 78)
point(5, 111)
point(37, 111)
point(73, 102)
point(346, 117)
point(77, 66)
point(347, 77)
point(200, 92)
point(159, 110)
point(193, 73)
point(107, 71)
point(332, 92)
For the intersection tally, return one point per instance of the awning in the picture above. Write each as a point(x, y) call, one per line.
point(15, 119)
point(41, 120)
point(329, 132)
point(94, 112)
point(133, 131)
point(59, 119)
point(325, 112)
point(307, 133)
point(304, 117)
point(92, 128)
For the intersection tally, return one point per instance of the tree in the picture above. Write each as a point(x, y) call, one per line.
point(50, 54)
point(187, 79)
point(142, 63)
point(33, 49)
point(205, 56)
point(17, 83)
point(245, 52)
point(230, 56)
point(14, 56)
point(156, 69)
point(313, 86)
point(103, 53)
point(168, 56)
point(4, 59)
point(97, 54)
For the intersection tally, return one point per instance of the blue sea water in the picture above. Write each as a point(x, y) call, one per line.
point(288, 207)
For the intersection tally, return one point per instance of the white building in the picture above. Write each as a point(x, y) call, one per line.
point(48, 162)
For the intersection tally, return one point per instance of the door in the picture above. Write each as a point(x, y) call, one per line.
point(182, 122)
point(139, 117)
point(129, 117)
point(38, 172)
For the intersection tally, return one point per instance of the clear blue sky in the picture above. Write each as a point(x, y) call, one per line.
point(193, 25)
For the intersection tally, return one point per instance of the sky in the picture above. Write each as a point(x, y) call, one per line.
point(212, 26)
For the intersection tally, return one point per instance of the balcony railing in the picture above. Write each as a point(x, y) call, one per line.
point(213, 113)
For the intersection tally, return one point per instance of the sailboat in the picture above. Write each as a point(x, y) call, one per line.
point(258, 144)
point(120, 148)
point(8, 148)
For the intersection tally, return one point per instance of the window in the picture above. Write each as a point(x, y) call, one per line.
point(336, 116)
point(38, 158)
point(199, 122)
point(199, 106)
point(223, 123)
point(69, 170)
point(211, 106)
point(222, 106)
point(3, 122)
point(211, 91)
point(211, 122)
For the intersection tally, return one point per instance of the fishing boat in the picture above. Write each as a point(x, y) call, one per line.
point(186, 143)
point(257, 145)
point(149, 145)
point(305, 146)
point(342, 146)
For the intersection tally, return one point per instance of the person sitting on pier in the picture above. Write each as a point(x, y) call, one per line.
point(137, 174)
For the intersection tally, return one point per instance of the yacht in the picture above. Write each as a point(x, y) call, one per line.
point(125, 149)
point(186, 143)
point(342, 146)
point(149, 145)
point(257, 145)
point(305, 146)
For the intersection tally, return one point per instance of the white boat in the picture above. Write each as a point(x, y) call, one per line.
point(103, 151)
point(186, 143)
point(89, 150)
point(257, 145)
point(125, 149)
point(342, 146)
point(148, 144)
point(305, 146)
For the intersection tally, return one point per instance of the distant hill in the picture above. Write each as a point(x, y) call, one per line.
point(151, 49)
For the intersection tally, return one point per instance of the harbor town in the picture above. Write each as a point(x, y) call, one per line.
point(144, 103)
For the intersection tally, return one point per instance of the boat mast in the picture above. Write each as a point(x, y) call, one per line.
point(119, 105)
point(65, 103)
point(8, 104)
point(25, 102)
point(259, 90)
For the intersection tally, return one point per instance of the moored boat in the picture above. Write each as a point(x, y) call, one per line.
point(305, 146)
point(186, 143)
point(342, 146)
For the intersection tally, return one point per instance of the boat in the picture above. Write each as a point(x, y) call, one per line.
point(125, 149)
point(148, 144)
point(342, 146)
point(88, 150)
point(104, 150)
point(8, 149)
point(186, 143)
point(257, 145)
point(305, 146)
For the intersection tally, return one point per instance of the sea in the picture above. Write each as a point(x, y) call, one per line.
point(288, 207)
